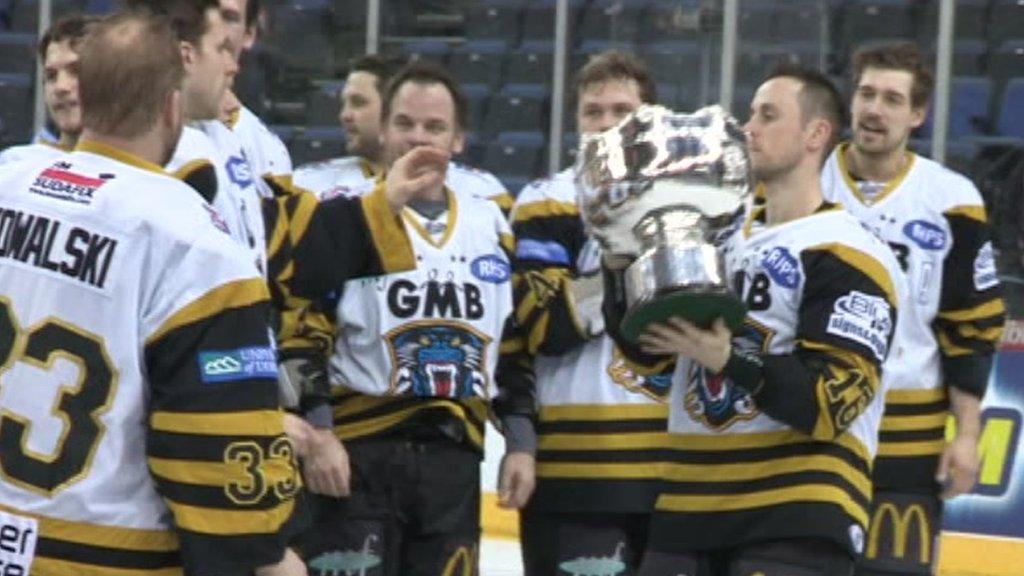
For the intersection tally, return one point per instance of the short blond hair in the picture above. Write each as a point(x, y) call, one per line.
point(128, 65)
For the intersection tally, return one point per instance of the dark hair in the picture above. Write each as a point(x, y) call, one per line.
point(71, 28)
point(426, 72)
point(819, 97)
point(617, 65)
point(252, 14)
point(188, 17)
point(905, 56)
point(383, 66)
point(130, 63)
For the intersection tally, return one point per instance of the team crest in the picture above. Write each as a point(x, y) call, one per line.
point(655, 386)
point(713, 399)
point(438, 359)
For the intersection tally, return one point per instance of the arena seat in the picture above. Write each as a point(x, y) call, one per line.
point(15, 109)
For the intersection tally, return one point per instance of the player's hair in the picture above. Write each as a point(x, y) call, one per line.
point(819, 98)
point(426, 72)
point(905, 56)
point(252, 13)
point(71, 29)
point(188, 17)
point(383, 66)
point(130, 63)
point(617, 65)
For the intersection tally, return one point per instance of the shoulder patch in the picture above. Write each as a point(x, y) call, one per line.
point(217, 366)
point(782, 267)
point(925, 234)
point(864, 319)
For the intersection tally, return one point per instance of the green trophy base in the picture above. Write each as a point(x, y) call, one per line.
point(701, 308)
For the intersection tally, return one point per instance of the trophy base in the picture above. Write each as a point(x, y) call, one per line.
point(699, 307)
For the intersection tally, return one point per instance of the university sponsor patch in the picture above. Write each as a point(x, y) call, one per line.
point(985, 276)
point(549, 252)
point(864, 319)
point(60, 182)
point(925, 234)
point(239, 171)
point(491, 268)
point(240, 364)
point(782, 267)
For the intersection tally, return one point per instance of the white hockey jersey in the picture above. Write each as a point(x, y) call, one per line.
point(140, 403)
point(265, 151)
point(934, 221)
point(585, 389)
point(793, 459)
point(430, 335)
point(197, 162)
point(354, 176)
point(43, 150)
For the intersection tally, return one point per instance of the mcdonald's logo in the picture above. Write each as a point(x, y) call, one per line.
point(901, 526)
point(462, 562)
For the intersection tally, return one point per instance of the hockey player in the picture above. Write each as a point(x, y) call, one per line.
point(360, 116)
point(595, 413)
point(141, 432)
point(772, 430)
point(58, 50)
point(935, 222)
point(413, 363)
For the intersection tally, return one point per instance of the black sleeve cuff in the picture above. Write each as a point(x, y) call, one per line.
point(968, 373)
point(745, 370)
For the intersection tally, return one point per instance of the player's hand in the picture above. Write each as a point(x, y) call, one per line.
point(290, 565)
point(711, 348)
point(325, 467)
point(419, 173)
point(958, 466)
point(516, 479)
point(298, 432)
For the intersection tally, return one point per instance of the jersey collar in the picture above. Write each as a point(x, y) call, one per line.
point(852, 184)
point(101, 149)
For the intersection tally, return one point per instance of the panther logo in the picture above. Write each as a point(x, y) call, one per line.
point(712, 398)
point(655, 386)
point(438, 359)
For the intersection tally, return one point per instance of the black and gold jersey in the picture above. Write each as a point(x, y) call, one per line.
point(934, 221)
point(141, 431)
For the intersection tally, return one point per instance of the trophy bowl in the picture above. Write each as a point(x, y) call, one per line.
point(663, 189)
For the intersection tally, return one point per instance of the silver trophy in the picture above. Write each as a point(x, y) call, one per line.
point(663, 188)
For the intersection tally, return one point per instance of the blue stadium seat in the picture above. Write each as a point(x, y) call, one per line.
point(865, 20)
point(304, 27)
point(968, 110)
point(17, 52)
point(494, 20)
point(669, 20)
point(1007, 62)
point(15, 109)
point(1011, 114)
point(479, 62)
point(609, 20)
point(433, 50)
point(971, 21)
point(1006, 21)
point(323, 104)
point(312, 144)
point(518, 107)
point(531, 64)
point(968, 57)
point(515, 154)
point(478, 96)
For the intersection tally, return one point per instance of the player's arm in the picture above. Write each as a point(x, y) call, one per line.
point(613, 308)
point(216, 446)
point(845, 327)
point(549, 236)
point(201, 176)
point(971, 312)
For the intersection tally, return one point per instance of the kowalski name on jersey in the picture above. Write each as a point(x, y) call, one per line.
point(433, 299)
point(52, 245)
